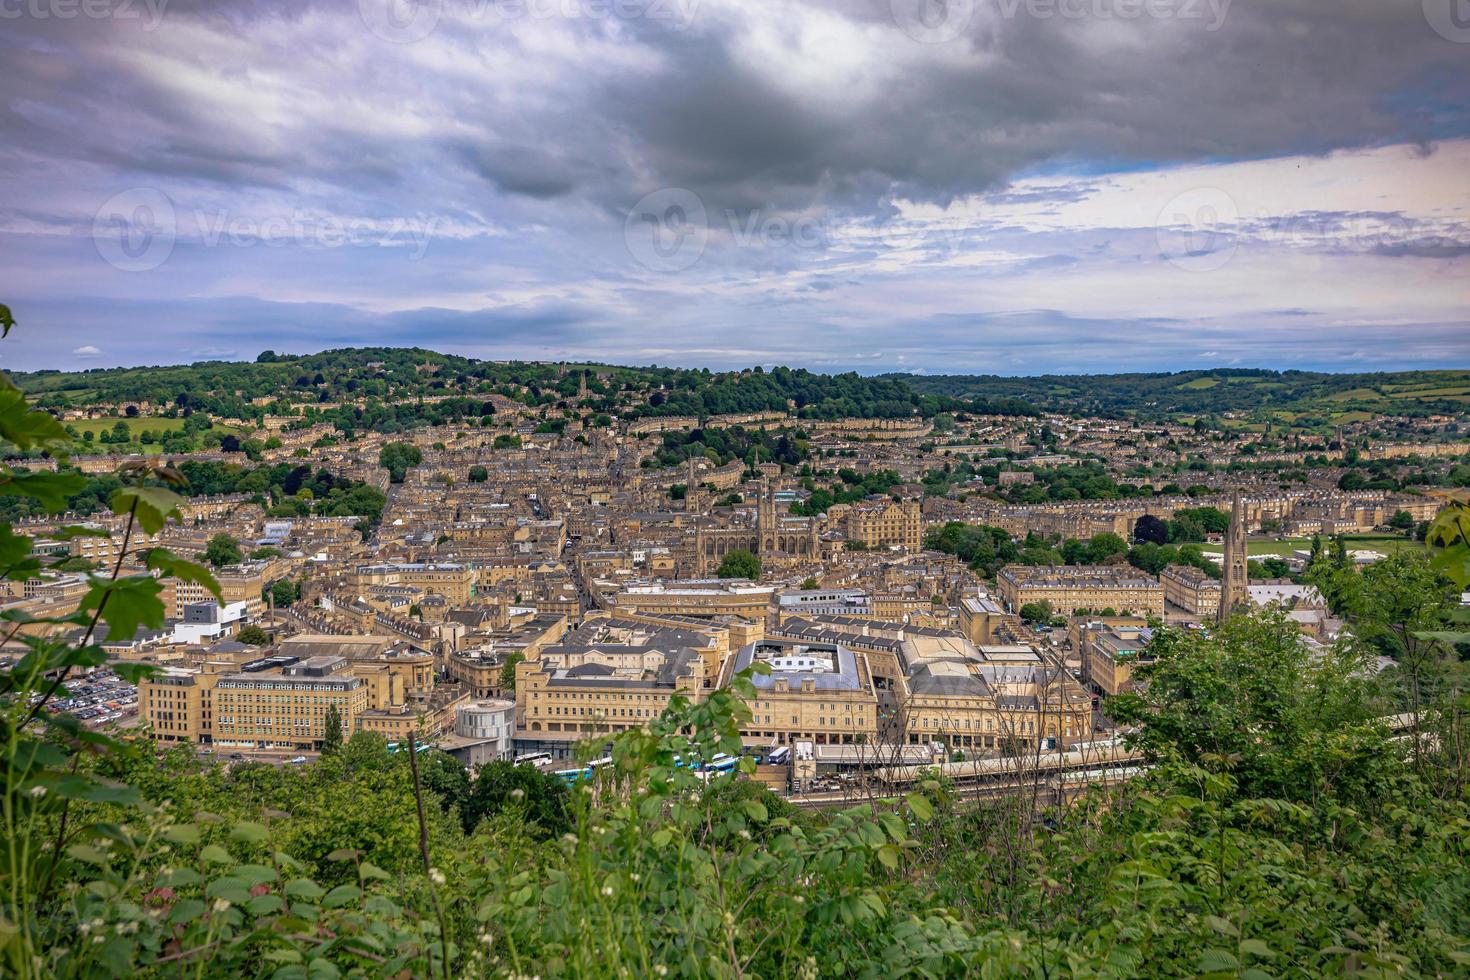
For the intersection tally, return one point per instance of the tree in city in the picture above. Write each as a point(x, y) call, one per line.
point(740, 563)
point(1149, 528)
point(508, 673)
point(398, 458)
point(223, 550)
point(1104, 547)
point(332, 740)
point(283, 593)
point(1037, 612)
point(535, 800)
point(254, 636)
point(478, 474)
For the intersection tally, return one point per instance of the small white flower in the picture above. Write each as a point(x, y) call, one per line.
point(436, 876)
point(38, 791)
point(661, 970)
point(744, 833)
point(569, 838)
point(517, 793)
point(607, 891)
point(221, 904)
point(636, 876)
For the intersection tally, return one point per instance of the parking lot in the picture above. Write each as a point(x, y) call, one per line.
point(99, 698)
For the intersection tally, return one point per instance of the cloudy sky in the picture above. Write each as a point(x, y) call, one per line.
point(1007, 186)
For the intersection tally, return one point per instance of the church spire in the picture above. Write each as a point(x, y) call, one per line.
point(1233, 591)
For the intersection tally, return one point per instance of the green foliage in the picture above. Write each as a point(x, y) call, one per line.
point(397, 458)
point(1036, 612)
point(740, 563)
point(332, 737)
point(223, 550)
point(508, 672)
point(283, 593)
point(1450, 531)
point(985, 549)
point(254, 635)
point(478, 474)
point(851, 488)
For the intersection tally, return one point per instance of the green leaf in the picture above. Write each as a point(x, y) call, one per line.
point(50, 489)
point(186, 910)
point(304, 888)
point(888, 856)
point(1223, 926)
point(215, 854)
point(893, 824)
point(25, 428)
point(1256, 947)
point(341, 895)
point(923, 809)
point(1218, 960)
point(151, 506)
point(756, 810)
point(251, 833)
point(133, 672)
point(369, 870)
point(126, 603)
point(163, 560)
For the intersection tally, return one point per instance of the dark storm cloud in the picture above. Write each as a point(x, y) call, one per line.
point(515, 145)
point(713, 105)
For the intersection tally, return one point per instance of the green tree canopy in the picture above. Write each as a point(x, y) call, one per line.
point(740, 563)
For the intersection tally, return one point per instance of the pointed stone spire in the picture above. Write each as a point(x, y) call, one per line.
point(1233, 592)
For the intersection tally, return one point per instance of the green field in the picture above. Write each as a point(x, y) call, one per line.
point(1367, 542)
point(137, 426)
point(1353, 393)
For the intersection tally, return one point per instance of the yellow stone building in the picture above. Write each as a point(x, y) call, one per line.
point(818, 692)
point(1070, 588)
point(887, 523)
point(1191, 590)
